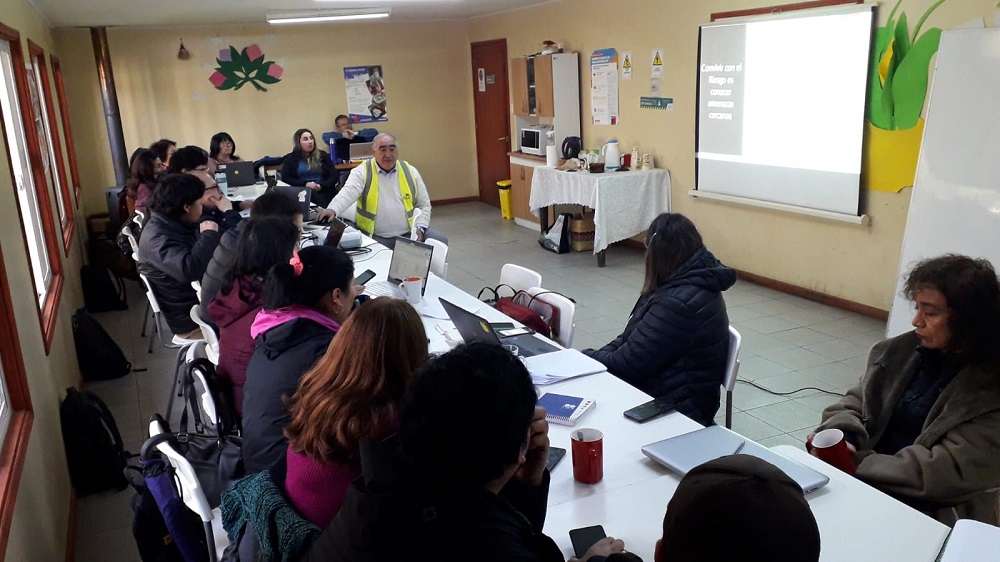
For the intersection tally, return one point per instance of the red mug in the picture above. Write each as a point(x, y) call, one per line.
point(588, 455)
point(830, 446)
point(626, 160)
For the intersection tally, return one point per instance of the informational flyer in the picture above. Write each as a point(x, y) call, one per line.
point(604, 87)
point(366, 97)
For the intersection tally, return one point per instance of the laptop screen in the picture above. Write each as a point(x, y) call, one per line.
point(410, 259)
point(238, 174)
point(361, 151)
point(301, 195)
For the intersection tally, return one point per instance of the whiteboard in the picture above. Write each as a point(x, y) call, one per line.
point(955, 206)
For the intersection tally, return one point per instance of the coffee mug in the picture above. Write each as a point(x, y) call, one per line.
point(588, 455)
point(411, 289)
point(830, 446)
point(625, 160)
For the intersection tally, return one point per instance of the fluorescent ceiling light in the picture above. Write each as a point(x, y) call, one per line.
point(318, 16)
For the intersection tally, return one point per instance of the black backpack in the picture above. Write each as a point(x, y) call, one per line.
point(99, 293)
point(94, 450)
point(99, 356)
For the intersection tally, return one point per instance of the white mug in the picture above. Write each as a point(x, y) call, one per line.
point(411, 289)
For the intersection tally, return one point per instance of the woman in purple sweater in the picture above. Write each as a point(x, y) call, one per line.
point(352, 392)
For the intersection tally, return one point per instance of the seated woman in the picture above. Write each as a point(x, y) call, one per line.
point(164, 150)
point(221, 150)
point(146, 165)
point(175, 249)
point(677, 338)
point(305, 303)
point(924, 422)
point(263, 243)
point(309, 166)
point(353, 392)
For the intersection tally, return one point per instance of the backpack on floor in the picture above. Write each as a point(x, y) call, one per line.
point(99, 356)
point(99, 292)
point(94, 450)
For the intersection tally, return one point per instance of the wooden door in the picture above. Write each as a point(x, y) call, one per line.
point(519, 80)
point(490, 96)
point(544, 107)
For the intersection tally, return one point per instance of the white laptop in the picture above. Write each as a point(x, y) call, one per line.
point(361, 151)
point(684, 452)
point(409, 259)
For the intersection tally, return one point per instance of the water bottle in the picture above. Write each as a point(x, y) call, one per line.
point(220, 178)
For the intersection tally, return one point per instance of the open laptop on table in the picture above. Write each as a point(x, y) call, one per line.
point(409, 259)
point(684, 452)
point(361, 151)
point(301, 195)
point(474, 328)
point(238, 174)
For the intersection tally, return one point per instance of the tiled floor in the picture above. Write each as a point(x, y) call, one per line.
point(788, 343)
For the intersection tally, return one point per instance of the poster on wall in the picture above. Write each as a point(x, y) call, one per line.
point(604, 87)
point(366, 98)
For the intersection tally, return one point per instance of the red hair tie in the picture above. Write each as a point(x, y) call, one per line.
point(296, 264)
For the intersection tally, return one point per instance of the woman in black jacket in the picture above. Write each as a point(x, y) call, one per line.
point(309, 166)
point(675, 343)
point(305, 303)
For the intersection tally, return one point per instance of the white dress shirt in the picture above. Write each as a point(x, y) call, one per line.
point(390, 219)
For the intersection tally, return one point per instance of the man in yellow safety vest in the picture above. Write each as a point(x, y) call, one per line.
point(386, 193)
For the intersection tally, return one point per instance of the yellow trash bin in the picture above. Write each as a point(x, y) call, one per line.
point(506, 209)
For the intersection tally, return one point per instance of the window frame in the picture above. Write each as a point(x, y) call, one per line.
point(48, 309)
point(67, 131)
point(37, 56)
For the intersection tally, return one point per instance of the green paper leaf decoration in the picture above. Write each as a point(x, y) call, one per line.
point(245, 66)
point(910, 86)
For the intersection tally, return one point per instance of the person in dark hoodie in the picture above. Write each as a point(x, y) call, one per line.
point(305, 303)
point(264, 243)
point(270, 204)
point(676, 340)
point(450, 490)
point(172, 254)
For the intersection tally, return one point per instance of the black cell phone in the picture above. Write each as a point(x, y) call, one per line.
point(652, 409)
point(555, 455)
point(364, 277)
point(585, 537)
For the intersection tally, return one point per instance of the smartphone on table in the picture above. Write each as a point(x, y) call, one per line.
point(556, 454)
point(650, 410)
point(585, 537)
point(364, 277)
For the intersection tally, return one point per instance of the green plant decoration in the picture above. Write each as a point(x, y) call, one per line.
point(900, 69)
point(238, 68)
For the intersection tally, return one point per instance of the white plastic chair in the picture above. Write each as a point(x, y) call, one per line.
point(732, 370)
point(439, 265)
point(519, 278)
point(211, 339)
point(127, 231)
point(567, 310)
point(176, 341)
point(193, 495)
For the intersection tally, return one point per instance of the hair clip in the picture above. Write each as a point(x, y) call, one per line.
point(296, 264)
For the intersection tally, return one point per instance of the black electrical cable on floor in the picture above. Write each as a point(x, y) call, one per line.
point(776, 393)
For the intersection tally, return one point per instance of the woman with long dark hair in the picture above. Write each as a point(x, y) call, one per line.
point(924, 421)
point(306, 300)
point(675, 343)
point(146, 166)
point(310, 166)
point(353, 392)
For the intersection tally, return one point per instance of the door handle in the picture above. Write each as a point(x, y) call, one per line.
point(503, 139)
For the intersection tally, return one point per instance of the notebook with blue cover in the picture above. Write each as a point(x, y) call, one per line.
point(565, 410)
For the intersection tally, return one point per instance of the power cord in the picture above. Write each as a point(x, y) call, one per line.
point(776, 393)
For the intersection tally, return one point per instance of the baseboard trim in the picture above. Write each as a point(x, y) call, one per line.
point(454, 201)
point(71, 530)
point(815, 296)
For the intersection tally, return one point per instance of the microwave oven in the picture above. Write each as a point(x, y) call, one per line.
point(534, 139)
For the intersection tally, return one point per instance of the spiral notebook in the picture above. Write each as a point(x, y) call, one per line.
point(565, 410)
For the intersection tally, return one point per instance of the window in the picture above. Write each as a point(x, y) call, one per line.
point(67, 132)
point(29, 177)
point(48, 138)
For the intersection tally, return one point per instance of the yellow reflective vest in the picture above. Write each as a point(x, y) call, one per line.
point(368, 202)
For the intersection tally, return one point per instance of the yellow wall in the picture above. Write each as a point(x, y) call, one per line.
point(39, 528)
point(425, 67)
point(852, 262)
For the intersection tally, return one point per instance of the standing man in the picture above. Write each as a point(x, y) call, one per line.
point(386, 192)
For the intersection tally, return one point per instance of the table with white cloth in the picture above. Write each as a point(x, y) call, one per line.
point(857, 522)
point(624, 203)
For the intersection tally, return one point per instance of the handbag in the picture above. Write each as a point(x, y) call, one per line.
point(556, 238)
point(523, 307)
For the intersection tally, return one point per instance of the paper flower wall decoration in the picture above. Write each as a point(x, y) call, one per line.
point(238, 68)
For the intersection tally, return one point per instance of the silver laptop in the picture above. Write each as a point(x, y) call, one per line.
point(684, 452)
point(300, 194)
point(409, 259)
point(361, 151)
